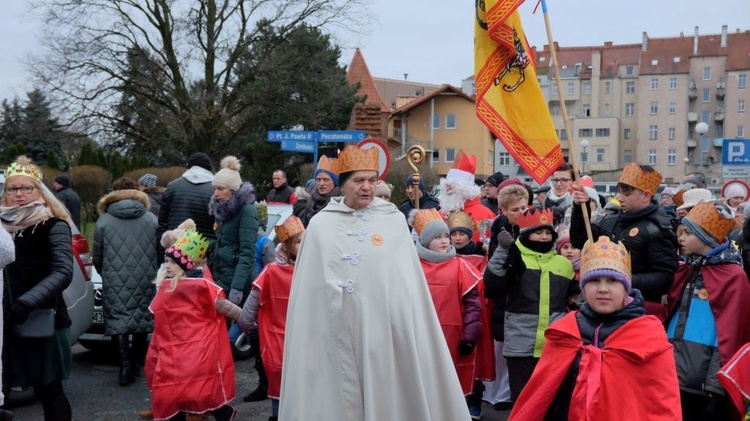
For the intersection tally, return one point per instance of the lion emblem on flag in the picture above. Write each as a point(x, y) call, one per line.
point(520, 61)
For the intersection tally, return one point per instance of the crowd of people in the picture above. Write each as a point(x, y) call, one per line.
point(552, 302)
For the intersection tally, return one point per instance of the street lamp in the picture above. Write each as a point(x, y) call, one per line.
point(686, 160)
point(701, 129)
point(584, 155)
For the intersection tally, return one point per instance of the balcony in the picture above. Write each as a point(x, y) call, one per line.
point(692, 143)
point(719, 115)
point(692, 93)
point(721, 88)
point(692, 117)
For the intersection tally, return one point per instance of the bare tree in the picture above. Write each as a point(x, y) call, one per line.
point(196, 43)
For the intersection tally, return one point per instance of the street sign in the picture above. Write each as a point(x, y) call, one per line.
point(299, 146)
point(341, 135)
point(384, 157)
point(735, 171)
point(735, 152)
point(281, 135)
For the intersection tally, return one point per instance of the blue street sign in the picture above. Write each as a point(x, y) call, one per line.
point(735, 152)
point(299, 146)
point(281, 135)
point(342, 135)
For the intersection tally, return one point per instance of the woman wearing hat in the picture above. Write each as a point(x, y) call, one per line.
point(40, 227)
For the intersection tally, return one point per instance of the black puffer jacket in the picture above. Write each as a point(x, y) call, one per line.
point(42, 270)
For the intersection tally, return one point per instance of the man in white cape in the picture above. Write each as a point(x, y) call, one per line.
point(363, 340)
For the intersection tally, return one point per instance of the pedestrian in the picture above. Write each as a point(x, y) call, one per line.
point(41, 230)
point(426, 200)
point(363, 341)
point(608, 360)
point(565, 249)
point(383, 190)
point(69, 198)
point(7, 256)
point(491, 190)
point(316, 196)
point(559, 198)
point(189, 366)
point(147, 184)
point(266, 307)
point(513, 200)
point(708, 312)
point(281, 192)
point(461, 231)
point(124, 254)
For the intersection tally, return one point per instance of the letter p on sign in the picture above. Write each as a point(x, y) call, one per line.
point(736, 150)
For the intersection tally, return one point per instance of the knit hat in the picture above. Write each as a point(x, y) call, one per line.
point(464, 167)
point(382, 189)
point(734, 189)
point(409, 181)
point(509, 182)
point(24, 166)
point(329, 166)
point(692, 197)
point(605, 258)
point(495, 179)
point(229, 174)
point(171, 236)
point(200, 159)
point(460, 221)
point(291, 227)
point(533, 219)
point(189, 250)
point(147, 180)
point(708, 223)
point(669, 191)
point(428, 224)
point(647, 181)
point(563, 236)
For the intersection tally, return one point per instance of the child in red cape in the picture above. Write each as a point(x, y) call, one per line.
point(189, 366)
point(608, 360)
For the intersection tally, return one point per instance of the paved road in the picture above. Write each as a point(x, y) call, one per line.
point(94, 394)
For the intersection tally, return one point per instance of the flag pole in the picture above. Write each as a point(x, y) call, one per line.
point(572, 155)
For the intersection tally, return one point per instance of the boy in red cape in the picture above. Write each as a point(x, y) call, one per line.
point(608, 360)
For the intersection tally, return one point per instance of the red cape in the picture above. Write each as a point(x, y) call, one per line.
point(729, 298)
point(632, 378)
point(485, 369)
point(735, 377)
point(189, 365)
point(274, 284)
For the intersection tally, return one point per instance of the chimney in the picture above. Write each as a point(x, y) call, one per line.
point(644, 46)
point(695, 42)
point(724, 35)
point(406, 76)
point(607, 43)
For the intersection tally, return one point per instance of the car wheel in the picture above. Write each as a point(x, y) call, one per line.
point(241, 348)
point(19, 397)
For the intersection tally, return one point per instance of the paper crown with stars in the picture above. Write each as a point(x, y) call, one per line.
point(605, 258)
point(352, 158)
point(24, 166)
point(188, 250)
point(291, 227)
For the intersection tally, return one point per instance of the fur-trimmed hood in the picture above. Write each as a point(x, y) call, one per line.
point(302, 194)
point(125, 204)
point(226, 211)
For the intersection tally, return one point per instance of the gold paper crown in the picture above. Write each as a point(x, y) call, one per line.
point(291, 227)
point(633, 175)
point(424, 217)
point(460, 220)
point(534, 217)
point(24, 167)
point(328, 164)
point(678, 199)
point(604, 254)
point(708, 217)
point(189, 249)
point(353, 158)
point(262, 208)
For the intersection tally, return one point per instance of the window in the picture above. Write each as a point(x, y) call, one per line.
point(652, 157)
point(627, 157)
point(554, 110)
point(436, 156)
point(653, 131)
point(602, 132)
point(672, 157)
point(740, 131)
point(554, 89)
point(585, 132)
point(599, 154)
point(706, 96)
point(630, 87)
point(626, 134)
point(672, 83)
point(504, 159)
point(571, 88)
point(607, 88)
point(436, 121)
point(654, 62)
point(671, 132)
point(629, 70)
point(563, 134)
point(654, 83)
point(706, 73)
point(629, 109)
point(742, 79)
point(706, 116)
point(607, 110)
point(586, 110)
point(450, 154)
point(587, 88)
point(741, 105)
point(450, 121)
point(672, 108)
point(654, 108)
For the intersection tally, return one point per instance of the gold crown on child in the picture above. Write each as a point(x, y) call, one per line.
point(604, 254)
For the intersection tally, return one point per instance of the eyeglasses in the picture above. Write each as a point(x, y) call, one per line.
point(561, 180)
point(23, 189)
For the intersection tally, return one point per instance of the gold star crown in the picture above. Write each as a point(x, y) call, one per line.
point(460, 220)
point(647, 181)
point(328, 164)
point(23, 166)
point(708, 217)
point(353, 158)
point(423, 217)
point(604, 254)
point(291, 227)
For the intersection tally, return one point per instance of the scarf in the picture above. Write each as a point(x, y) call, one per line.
point(17, 218)
point(319, 201)
point(434, 256)
point(232, 207)
point(562, 202)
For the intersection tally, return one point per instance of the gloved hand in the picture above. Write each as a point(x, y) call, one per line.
point(235, 296)
point(19, 313)
point(465, 348)
point(504, 239)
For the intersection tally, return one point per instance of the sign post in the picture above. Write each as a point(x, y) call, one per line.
point(735, 158)
point(302, 141)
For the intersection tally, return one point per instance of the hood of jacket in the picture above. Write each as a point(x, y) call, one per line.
point(198, 175)
point(229, 209)
point(124, 204)
point(337, 205)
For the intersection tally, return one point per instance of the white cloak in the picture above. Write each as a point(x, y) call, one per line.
point(363, 340)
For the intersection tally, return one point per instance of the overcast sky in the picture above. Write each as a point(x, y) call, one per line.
point(432, 40)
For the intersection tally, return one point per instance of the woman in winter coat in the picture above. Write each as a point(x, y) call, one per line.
point(125, 256)
point(40, 227)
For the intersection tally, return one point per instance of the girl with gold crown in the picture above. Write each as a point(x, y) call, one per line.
point(189, 365)
point(608, 360)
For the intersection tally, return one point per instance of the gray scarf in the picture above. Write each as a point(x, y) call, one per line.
point(434, 256)
point(17, 218)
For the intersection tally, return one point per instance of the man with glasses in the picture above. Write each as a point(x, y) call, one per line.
point(559, 198)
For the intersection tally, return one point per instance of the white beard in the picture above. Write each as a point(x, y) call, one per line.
point(454, 200)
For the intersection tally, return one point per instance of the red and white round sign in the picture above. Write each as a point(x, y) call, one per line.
point(384, 157)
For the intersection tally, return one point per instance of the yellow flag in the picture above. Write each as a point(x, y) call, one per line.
point(508, 97)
